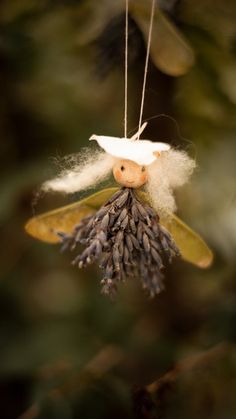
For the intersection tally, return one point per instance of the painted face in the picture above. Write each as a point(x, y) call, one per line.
point(129, 173)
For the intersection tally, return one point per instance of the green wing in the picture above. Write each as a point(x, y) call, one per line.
point(44, 227)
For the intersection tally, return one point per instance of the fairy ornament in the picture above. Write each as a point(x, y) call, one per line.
point(131, 230)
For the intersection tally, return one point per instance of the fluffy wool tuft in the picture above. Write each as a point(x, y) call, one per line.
point(86, 172)
point(171, 170)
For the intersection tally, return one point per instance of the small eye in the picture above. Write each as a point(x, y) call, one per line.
point(143, 169)
point(122, 168)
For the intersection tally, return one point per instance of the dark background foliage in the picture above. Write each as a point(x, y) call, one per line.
point(65, 350)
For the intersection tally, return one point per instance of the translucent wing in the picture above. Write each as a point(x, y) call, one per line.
point(192, 247)
point(45, 226)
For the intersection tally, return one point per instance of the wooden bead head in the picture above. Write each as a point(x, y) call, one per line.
point(130, 174)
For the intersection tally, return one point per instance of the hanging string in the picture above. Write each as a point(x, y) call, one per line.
point(126, 66)
point(146, 65)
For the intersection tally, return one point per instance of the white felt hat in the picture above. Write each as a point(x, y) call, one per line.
point(141, 152)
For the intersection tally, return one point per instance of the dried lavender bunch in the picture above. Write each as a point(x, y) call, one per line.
point(127, 238)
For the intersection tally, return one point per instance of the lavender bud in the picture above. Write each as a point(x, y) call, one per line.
point(164, 243)
point(92, 233)
point(121, 217)
point(134, 212)
point(134, 241)
point(155, 229)
point(129, 243)
point(104, 222)
point(132, 226)
point(104, 261)
point(100, 214)
point(122, 199)
point(124, 222)
point(116, 258)
point(156, 245)
point(143, 213)
point(166, 233)
point(146, 243)
point(98, 250)
point(175, 248)
point(140, 232)
point(112, 219)
point(126, 255)
point(119, 237)
point(114, 197)
point(157, 258)
point(121, 249)
point(89, 260)
point(102, 237)
point(109, 271)
point(149, 232)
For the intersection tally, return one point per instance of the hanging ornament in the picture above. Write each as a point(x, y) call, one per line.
point(132, 230)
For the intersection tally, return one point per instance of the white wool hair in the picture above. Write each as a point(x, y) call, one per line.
point(169, 171)
point(90, 168)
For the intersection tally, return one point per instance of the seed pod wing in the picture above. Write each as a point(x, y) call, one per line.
point(45, 226)
point(192, 247)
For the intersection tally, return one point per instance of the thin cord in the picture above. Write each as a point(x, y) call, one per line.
point(146, 65)
point(126, 66)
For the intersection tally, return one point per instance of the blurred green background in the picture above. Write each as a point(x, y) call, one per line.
point(66, 351)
